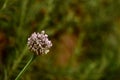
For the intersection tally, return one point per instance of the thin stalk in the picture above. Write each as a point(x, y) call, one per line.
point(5, 4)
point(25, 67)
point(18, 60)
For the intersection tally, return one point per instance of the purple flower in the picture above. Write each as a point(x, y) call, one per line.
point(39, 43)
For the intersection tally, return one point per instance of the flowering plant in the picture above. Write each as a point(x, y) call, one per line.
point(39, 44)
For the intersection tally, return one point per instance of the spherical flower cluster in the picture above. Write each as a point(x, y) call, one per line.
point(39, 43)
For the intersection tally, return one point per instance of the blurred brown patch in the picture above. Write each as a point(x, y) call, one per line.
point(3, 43)
point(65, 49)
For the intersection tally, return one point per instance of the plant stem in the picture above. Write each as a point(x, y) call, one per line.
point(25, 67)
point(5, 4)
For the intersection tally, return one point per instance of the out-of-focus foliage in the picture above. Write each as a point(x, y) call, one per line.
point(85, 36)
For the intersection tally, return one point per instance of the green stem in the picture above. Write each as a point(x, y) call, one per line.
point(25, 67)
point(5, 4)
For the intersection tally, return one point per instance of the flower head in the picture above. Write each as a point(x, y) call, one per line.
point(39, 43)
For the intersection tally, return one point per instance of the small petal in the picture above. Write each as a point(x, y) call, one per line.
point(42, 32)
point(46, 51)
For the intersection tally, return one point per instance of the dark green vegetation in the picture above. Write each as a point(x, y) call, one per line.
point(85, 36)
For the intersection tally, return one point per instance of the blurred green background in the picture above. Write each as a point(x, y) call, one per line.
point(85, 36)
